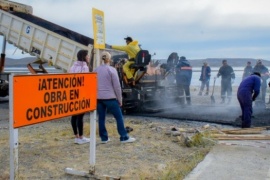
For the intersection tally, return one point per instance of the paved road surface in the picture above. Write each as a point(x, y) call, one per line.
point(238, 160)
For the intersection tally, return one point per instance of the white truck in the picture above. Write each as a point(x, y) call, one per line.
point(58, 46)
point(49, 42)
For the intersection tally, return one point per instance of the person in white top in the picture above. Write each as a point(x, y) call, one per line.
point(79, 66)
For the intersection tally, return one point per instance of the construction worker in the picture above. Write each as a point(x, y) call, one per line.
point(172, 61)
point(132, 48)
point(269, 95)
point(263, 70)
point(227, 78)
point(170, 67)
point(205, 78)
point(183, 80)
point(248, 70)
point(247, 92)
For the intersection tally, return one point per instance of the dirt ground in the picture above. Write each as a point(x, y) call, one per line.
point(46, 149)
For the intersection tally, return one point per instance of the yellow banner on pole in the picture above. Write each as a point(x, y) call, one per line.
point(99, 28)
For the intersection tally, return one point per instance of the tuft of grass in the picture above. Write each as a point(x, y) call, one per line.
point(4, 176)
point(174, 169)
point(179, 169)
point(200, 139)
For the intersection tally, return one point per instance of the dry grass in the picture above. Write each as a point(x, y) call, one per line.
point(46, 149)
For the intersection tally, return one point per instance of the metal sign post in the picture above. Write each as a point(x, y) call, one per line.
point(92, 153)
point(13, 144)
point(52, 96)
point(13, 136)
point(92, 160)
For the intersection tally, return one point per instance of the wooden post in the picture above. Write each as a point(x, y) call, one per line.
point(31, 69)
point(3, 55)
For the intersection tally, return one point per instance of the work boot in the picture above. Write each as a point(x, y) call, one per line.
point(222, 102)
point(244, 125)
point(206, 94)
point(188, 99)
point(181, 101)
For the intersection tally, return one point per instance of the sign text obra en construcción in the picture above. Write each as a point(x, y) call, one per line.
point(39, 98)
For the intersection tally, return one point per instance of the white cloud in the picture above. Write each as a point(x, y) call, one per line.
point(166, 26)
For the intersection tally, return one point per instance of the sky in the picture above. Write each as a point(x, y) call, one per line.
point(196, 29)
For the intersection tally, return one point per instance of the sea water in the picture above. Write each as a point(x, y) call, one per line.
point(214, 70)
point(196, 73)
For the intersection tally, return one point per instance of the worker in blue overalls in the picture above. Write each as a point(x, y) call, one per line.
point(183, 80)
point(247, 92)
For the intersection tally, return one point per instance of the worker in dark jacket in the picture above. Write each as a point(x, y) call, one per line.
point(269, 95)
point(227, 78)
point(263, 70)
point(183, 80)
point(247, 92)
point(170, 67)
point(205, 78)
point(248, 70)
point(172, 61)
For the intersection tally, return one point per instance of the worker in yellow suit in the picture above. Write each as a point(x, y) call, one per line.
point(132, 48)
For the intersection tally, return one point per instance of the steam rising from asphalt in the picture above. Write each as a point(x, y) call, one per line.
point(201, 107)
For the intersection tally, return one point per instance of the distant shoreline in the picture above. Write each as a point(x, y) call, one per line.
point(213, 62)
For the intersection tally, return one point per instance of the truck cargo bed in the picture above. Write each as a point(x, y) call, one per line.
point(79, 38)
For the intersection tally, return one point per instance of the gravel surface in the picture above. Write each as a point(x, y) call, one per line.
point(46, 149)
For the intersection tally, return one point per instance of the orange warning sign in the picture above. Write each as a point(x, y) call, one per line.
point(39, 98)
